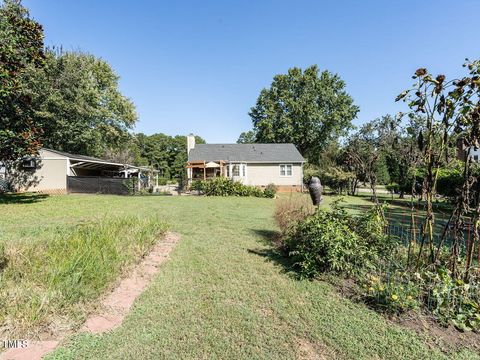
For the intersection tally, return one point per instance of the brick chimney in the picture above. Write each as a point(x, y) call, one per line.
point(190, 142)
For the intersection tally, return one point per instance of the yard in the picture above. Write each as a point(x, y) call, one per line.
point(225, 293)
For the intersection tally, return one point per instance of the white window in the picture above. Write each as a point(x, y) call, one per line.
point(285, 169)
point(236, 170)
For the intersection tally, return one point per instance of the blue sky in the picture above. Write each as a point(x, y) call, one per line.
point(198, 66)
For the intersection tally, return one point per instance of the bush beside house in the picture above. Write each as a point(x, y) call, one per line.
point(222, 186)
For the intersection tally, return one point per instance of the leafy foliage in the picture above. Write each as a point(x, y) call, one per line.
point(222, 186)
point(358, 247)
point(270, 191)
point(78, 104)
point(165, 153)
point(390, 295)
point(449, 299)
point(450, 178)
point(21, 48)
point(328, 241)
point(337, 179)
point(247, 137)
point(305, 108)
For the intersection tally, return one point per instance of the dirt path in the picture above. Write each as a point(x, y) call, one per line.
point(115, 306)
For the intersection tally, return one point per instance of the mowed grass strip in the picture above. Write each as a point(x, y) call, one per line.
point(225, 294)
point(48, 284)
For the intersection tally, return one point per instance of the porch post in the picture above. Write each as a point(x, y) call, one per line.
point(189, 173)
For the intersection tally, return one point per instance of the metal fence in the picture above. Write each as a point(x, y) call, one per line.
point(98, 185)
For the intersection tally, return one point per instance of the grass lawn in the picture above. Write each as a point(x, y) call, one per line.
point(224, 293)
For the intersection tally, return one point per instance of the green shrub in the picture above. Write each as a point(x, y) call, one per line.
point(393, 188)
point(337, 179)
point(270, 191)
point(325, 242)
point(333, 240)
point(370, 226)
point(130, 185)
point(450, 179)
point(163, 181)
point(222, 186)
point(196, 185)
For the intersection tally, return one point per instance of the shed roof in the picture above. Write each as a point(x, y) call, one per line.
point(81, 157)
point(245, 152)
point(90, 159)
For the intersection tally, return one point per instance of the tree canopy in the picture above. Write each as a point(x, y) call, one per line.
point(303, 107)
point(165, 153)
point(21, 48)
point(247, 137)
point(78, 104)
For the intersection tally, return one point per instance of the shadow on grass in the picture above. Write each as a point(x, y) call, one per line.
point(274, 252)
point(268, 237)
point(22, 198)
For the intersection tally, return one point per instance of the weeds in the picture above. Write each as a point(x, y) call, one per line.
point(60, 276)
point(290, 211)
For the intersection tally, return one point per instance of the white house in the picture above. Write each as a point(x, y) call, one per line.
point(251, 164)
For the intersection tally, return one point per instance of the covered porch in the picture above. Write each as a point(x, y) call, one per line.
point(203, 170)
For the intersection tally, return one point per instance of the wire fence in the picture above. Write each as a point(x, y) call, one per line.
point(408, 228)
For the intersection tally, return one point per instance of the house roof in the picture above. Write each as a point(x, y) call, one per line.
point(245, 152)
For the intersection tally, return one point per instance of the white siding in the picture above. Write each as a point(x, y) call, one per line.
point(51, 173)
point(260, 174)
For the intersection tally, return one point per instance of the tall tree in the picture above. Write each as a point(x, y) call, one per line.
point(247, 137)
point(305, 108)
point(78, 104)
point(165, 153)
point(21, 48)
